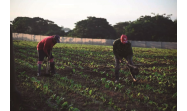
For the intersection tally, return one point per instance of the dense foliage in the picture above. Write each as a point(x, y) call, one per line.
point(146, 28)
point(36, 25)
point(94, 27)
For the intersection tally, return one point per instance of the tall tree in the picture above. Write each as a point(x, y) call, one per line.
point(36, 25)
point(155, 28)
point(94, 27)
point(120, 28)
point(21, 24)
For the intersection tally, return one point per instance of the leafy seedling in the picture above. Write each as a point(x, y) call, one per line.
point(74, 71)
point(103, 80)
point(90, 92)
point(64, 105)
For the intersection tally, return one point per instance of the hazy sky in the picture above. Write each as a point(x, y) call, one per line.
point(67, 12)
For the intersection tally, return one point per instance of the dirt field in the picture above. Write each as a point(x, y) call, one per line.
point(85, 79)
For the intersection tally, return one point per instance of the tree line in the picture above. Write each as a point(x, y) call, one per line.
point(145, 28)
point(36, 26)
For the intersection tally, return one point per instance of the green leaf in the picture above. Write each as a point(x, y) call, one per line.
point(153, 67)
point(62, 78)
point(22, 72)
point(75, 109)
point(174, 107)
point(164, 74)
point(138, 94)
point(65, 104)
point(38, 82)
point(103, 79)
point(57, 97)
point(90, 92)
point(73, 70)
point(164, 109)
point(81, 67)
point(113, 70)
point(70, 108)
point(112, 83)
point(86, 89)
point(106, 85)
point(33, 79)
point(150, 102)
point(174, 95)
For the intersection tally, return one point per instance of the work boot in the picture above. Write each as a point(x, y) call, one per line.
point(39, 70)
point(52, 67)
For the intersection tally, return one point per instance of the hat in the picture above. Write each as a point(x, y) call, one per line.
point(123, 39)
point(57, 38)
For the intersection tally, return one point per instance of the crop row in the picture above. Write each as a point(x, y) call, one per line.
point(88, 73)
point(108, 84)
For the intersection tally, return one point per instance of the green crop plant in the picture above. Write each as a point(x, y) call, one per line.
point(81, 67)
point(90, 92)
point(103, 80)
point(107, 85)
point(92, 63)
point(110, 75)
point(113, 70)
point(174, 95)
point(73, 71)
point(45, 87)
point(103, 98)
point(22, 74)
point(73, 109)
point(64, 79)
point(110, 102)
point(174, 108)
point(95, 70)
point(148, 87)
point(58, 99)
point(80, 73)
point(118, 86)
point(146, 98)
point(64, 105)
point(157, 79)
point(102, 72)
point(165, 106)
point(126, 80)
point(128, 91)
point(53, 96)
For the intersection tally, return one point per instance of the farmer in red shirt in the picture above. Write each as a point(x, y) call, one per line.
point(44, 49)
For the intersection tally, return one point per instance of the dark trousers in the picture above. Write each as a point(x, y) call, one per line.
point(117, 64)
point(41, 55)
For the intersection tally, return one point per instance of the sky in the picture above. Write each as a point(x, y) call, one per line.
point(68, 12)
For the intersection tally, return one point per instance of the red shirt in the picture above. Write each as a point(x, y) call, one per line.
point(46, 44)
